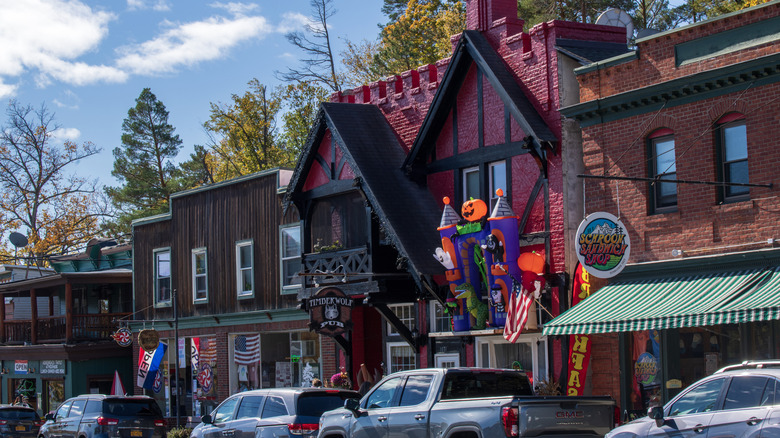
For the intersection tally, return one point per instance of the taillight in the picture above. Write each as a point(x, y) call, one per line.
point(103, 421)
point(618, 420)
point(302, 428)
point(160, 423)
point(3, 422)
point(509, 420)
point(39, 423)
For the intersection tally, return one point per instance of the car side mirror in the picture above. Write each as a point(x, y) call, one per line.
point(49, 416)
point(206, 419)
point(352, 405)
point(657, 414)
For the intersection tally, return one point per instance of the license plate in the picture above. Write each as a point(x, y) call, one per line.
point(136, 433)
point(20, 428)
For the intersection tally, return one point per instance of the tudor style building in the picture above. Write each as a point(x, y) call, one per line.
point(372, 180)
point(679, 140)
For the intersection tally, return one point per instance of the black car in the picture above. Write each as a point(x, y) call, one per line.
point(96, 415)
point(272, 413)
point(19, 421)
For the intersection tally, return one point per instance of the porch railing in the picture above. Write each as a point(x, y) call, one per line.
point(52, 329)
point(336, 266)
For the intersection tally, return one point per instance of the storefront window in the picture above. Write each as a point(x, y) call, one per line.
point(646, 372)
point(53, 395)
point(23, 391)
point(286, 360)
point(401, 356)
point(529, 353)
point(203, 366)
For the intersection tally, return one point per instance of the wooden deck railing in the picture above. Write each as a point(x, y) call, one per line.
point(52, 329)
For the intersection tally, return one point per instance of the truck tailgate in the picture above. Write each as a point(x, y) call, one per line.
point(565, 416)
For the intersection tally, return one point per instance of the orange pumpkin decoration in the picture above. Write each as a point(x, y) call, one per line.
point(474, 210)
point(531, 262)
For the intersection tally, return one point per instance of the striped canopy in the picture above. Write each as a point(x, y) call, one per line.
point(665, 303)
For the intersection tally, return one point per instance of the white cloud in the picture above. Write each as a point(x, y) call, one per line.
point(190, 43)
point(68, 100)
point(46, 36)
point(234, 8)
point(159, 5)
point(7, 90)
point(287, 55)
point(64, 134)
point(293, 21)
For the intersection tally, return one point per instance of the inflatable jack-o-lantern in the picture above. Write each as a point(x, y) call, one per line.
point(474, 210)
point(531, 262)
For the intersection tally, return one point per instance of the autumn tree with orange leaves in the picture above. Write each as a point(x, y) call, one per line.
point(57, 210)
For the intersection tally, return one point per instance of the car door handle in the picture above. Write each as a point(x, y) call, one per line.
point(419, 417)
point(753, 421)
point(381, 419)
point(699, 428)
point(230, 432)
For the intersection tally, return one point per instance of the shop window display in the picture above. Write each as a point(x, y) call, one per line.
point(273, 360)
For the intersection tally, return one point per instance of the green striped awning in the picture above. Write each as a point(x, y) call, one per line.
point(664, 303)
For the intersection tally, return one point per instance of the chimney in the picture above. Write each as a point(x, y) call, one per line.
point(480, 14)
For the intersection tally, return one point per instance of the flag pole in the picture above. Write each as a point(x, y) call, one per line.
point(176, 360)
point(536, 300)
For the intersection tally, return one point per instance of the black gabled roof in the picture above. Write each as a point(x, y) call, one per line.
point(474, 47)
point(407, 211)
point(588, 52)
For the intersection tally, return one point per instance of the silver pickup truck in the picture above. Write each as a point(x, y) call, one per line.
point(466, 403)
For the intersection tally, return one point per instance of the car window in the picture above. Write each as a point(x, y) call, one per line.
point(745, 392)
point(701, 398)
point(274, 407)
point(416, 390)
point(488, 384)
point(250, 406)
point(77, 408)
point(132, 408)
point(18, 414)
point(93, 408)
point(225, 411)
point(313, 404)
point(769, 393)
point(62, 411)
point(382, 396)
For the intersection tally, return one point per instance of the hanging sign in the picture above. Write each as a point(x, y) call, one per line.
point(123, 337)
point(602, 245)
point(579, 345)
point(330, 312)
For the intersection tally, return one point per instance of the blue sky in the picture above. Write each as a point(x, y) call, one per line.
point(89, 60)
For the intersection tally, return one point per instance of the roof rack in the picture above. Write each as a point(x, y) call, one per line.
point(751, 365)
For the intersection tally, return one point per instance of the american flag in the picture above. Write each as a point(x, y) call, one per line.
point(520, 301)
point(247, 349)
point(208, 351)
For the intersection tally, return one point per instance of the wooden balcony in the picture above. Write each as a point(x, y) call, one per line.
point(345, 269)
point(54, 329)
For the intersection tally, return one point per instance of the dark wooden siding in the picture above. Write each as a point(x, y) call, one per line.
point(216, 219)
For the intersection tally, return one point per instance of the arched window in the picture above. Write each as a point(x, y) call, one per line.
point(732, 153)
point(663, 195)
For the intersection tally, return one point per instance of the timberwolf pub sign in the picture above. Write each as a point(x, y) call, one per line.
point(330, 312)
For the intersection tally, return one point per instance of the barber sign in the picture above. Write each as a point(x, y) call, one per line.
point(602, 245)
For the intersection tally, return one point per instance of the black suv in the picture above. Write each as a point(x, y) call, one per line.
point(736, 401)
point(18, 422)
point(96, 415)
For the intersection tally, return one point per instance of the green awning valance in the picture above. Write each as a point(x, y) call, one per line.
point(664, 303)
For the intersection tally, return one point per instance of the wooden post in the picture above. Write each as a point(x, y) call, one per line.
point(33, 317)
point(68, 312)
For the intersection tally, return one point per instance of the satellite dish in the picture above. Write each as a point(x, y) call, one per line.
point(617, 17)
point(18, 239)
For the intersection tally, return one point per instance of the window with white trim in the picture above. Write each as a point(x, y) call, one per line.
point(401, 357)
point(663, 166)
point(290, 257)
point(200, 291)
point(471, 183)
point(404, 312)
point(245, 268)
point(440, 321)
point(162, 276)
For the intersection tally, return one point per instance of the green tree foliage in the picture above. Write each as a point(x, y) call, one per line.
point(318, 65)
point(419, 36)
point(301, 103)
point(244, 135)
point(56, 210)
point(143, 164)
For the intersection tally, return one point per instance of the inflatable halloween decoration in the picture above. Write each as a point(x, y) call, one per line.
point(482, 258)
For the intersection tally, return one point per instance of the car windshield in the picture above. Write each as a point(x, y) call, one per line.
point(313, 404)
point(18, 414)
point(131, 408)
point(485, 384)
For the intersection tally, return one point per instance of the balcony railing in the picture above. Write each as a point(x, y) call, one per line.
point(52, 329)
point(336, 266)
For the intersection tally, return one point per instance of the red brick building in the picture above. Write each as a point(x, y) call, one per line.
point(679, 141)
point(382, 157)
